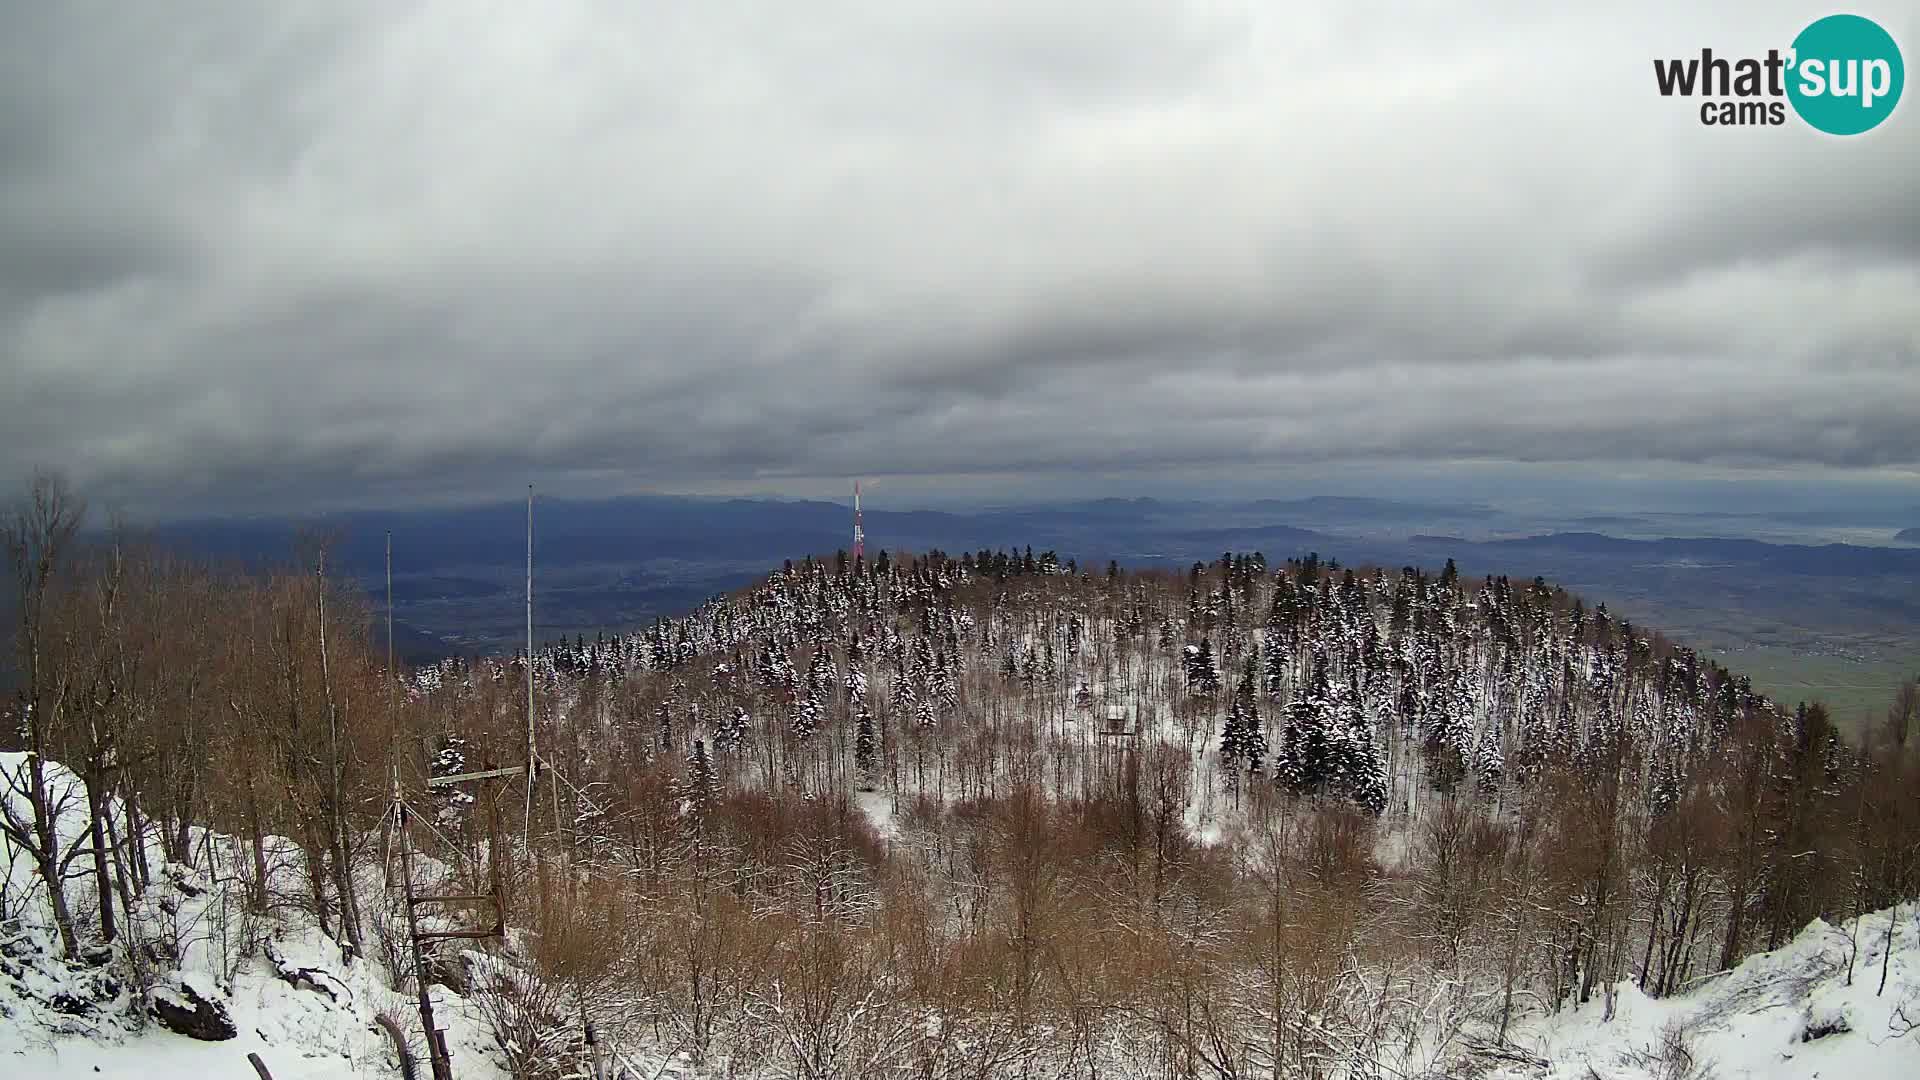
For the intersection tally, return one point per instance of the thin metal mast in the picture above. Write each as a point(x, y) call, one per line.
point(420, 940)
point(859, 533)
point(393, 729)
point(389, 619)
point(393, 674)
point(533, 760)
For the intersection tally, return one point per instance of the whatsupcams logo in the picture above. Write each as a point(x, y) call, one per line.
point(1842, 75)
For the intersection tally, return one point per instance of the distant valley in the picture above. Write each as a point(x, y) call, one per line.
point(1809, 618)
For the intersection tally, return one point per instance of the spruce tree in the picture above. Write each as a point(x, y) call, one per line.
point(856, 684)
point(701, 786)
point(946, 685)
point(732, 731)
point(455, 805)
point(1242, 743)
point(663, 723)
point(1358, 771)
point(865, 749)
point(1304, 762)
point(1203, 673)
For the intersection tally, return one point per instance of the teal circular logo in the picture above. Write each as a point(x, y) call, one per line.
point(1846, 75)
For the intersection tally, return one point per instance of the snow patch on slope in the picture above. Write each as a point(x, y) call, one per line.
point(1790, 1014)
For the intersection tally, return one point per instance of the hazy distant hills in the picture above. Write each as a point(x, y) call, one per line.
point(617, 563)
point(1908, 536)
point(1840, 560)
point(1341, 508)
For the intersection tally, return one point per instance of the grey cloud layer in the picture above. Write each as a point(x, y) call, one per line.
point(410, 247)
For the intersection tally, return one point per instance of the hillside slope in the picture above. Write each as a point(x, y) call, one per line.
point(1815, 1008)
point(281, 986)
point(1790, 1014)
point(982, 818)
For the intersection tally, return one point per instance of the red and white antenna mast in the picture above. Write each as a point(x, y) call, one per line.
point(859, 534)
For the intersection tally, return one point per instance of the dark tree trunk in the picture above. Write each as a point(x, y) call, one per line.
point(343, 886)
point(317, 879)
point(102, 874)
point(122, 878)
point(137, 837)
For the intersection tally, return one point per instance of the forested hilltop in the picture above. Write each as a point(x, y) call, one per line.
point(993, 814)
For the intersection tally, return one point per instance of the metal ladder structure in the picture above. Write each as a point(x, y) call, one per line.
point(401, 814)
point(421, 941)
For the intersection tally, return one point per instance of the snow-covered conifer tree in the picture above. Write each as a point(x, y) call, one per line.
point(865, 749)
point(1242, 743)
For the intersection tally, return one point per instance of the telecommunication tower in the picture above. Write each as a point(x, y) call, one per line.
point(859, 534)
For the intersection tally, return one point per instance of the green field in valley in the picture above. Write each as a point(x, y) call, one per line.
point(1856, 691)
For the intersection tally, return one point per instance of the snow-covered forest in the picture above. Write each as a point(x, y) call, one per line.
point(978, 815)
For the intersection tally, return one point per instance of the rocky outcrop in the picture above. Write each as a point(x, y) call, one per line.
point(186, 1011)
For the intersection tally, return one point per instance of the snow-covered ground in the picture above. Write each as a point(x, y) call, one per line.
point(299, 1006)
point(1790, 1014)
point(1750, 1024)
point(318, 1031)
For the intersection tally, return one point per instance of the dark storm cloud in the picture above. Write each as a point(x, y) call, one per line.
point(372, 250)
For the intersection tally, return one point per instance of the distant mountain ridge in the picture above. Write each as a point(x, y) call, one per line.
point(615, 563)
point(757, 532)
point(1823, 559)
point(1352, 508)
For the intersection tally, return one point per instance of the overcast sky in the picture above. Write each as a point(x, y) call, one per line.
point(349, 251)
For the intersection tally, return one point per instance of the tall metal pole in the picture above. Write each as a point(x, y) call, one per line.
point(532, 760)
point(393, 674)
point(393, 729)
point(859, 533)
point(529, 624)
point(389, 619)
